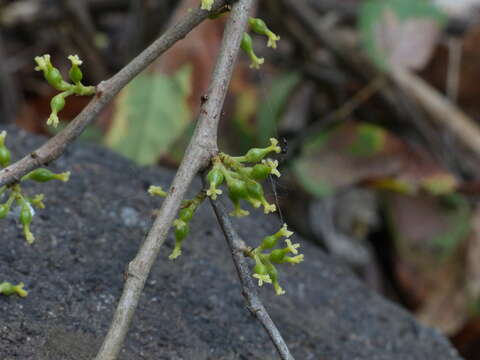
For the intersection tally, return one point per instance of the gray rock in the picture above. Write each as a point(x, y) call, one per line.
point(191, 308)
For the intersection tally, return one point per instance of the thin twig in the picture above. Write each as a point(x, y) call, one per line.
point(198, 154)
point(106, 91)
point(440, 109)
point(249, 290)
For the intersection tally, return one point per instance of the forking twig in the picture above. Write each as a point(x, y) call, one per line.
point(249, 290)
point(106, 91)
point(197, 156)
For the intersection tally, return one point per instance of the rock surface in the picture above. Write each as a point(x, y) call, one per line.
point(191, 308)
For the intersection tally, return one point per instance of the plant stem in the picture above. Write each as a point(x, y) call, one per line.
point(197, 156)
point(106, 91)
point(249, 290)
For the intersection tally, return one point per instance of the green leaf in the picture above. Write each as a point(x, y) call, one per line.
point(152, 112)
point(369, 140)
point(400, 32)
point(271, 108)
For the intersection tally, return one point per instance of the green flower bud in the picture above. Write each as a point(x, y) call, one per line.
point(259, 26)
point(261, 274)
point(156, 191)
point(5, 156)
point(8, 289)
point(255, 193)
point(255, 155)
point(186, 214)
point(237, 190)
point(207, 4)
point(277, 256)
point(44, 175)
point(181, 232)
point(37, 201)
point(260, 172)
point(247, 46)
point(56, 105)
point(215, 178)
point(51, 74)
point(4, 210)
point(75, 73)
point(269, 242)
point(26, 216)
point(272, 272)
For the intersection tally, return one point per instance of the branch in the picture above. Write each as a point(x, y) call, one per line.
point(198, 154)
point(440, 108)
point(249, 290)
point(106, 91)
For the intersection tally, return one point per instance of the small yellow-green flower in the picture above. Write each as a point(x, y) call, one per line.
point(8, 289)
point(156, 191)
point(292, 247)
point(262, 278)
point(273, 165)
point(207, 4)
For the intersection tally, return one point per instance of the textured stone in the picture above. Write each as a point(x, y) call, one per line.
point(191, 308)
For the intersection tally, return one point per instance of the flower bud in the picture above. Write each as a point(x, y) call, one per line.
point(269, 242)
point(215, 178)
point(181, 232)
point(51, 74)
point(260, 172)
point(4, 210)
point(259, 26)
point(156, 191)
point(277, 256)
point(272, 272)
point(207, 4)
point(44, 175)
point(5, 156)
point(186, 214)
point(247, 46)
point(75, 73)
point(8, 289)
point(56, 105)
point(237, 189)
point(26, 216)
point(255, 155)
point(260, 273)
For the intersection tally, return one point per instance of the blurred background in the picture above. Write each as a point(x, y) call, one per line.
point(376, 103)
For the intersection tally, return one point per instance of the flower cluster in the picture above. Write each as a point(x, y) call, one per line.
point(258, 26)
point(55, 79)
point(181, 224)
point(264, 270)
point(182, 227)
point(243, 182)
point(8, 289)
point(13, 195)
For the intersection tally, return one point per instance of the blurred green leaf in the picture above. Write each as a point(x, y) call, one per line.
point(369, 154)
point(369, 140)
point(151, 114)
